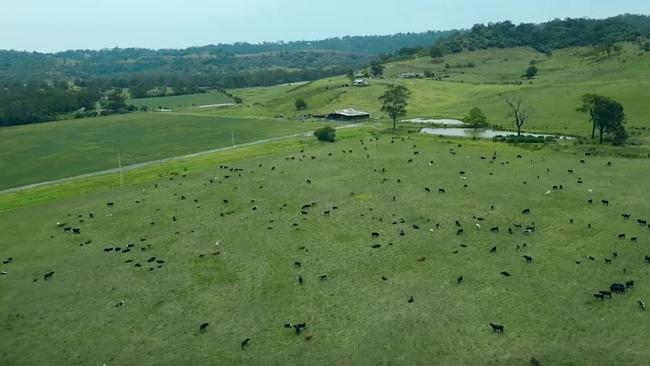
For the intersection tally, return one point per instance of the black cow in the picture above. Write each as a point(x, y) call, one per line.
point(300, 326)
point(203, 327)
point(441, 190)
point(427, 189)
point(526, 211)
point(505, 273)
point(618, 288)
point(647, 258)
point(626, 215)
point(528, 258)
point(642, 222)
point(374, 234)
point(110, 204)
point(629, 284)
point(599, 296)
point(494, 229)
point(411, 299)
point(605, 202)
point(245, 343)
point(323, 277)
point(493, 249)
point(48, 275)
point(497, 328)
point(459, 279)
point(300, 279)
point(606, 293)
point(460, 232)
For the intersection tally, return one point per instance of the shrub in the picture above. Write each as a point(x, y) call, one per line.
point(326, 133)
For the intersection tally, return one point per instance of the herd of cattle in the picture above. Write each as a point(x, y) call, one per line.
point(137, 255)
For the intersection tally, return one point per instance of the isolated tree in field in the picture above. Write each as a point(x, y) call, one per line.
point(610, 117)
point(476, 118)
point(326, 133)
point(350, 76)
point(394, 102)
point(519, 112)
point(301, 105)
point(531, 71)
point(376, 68)
point(588, 102)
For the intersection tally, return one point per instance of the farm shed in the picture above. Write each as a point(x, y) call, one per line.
point(348, 114)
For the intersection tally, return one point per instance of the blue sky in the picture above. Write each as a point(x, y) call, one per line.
point(52, 25)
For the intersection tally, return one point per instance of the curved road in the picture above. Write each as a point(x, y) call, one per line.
point(151, 162)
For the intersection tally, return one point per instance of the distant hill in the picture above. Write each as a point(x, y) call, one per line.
point(549, 36)
point(239, 64)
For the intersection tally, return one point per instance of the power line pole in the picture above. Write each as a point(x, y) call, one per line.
point(119, 163)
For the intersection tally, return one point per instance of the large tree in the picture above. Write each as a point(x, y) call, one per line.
point(476, 118)
point(350, 76)
point(376, 68)
point(609, 117)
point(394, 102)
point(300, 104)
point(519, 112)
point(588, 102)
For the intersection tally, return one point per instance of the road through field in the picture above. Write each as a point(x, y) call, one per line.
point(151, 162)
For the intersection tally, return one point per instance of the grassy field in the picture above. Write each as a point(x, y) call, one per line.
point(553, 95)
point(182, 102)
point(37, 153)
point(231, 264)
point(56, 150)
point(226, 228)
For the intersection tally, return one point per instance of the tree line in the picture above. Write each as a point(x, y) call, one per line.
point(546, 37)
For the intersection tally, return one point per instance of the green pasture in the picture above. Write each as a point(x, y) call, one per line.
point(230, 227)
point(36, 153)
point(182, 102)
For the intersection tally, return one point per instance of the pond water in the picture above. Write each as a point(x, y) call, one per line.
point(443, 121)
point(481, 133)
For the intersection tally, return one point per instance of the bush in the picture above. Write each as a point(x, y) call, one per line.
point(326, 133)
point(620, 135)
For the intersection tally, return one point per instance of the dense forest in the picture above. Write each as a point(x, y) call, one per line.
point(546, 37)
point(36, 87)
point(222, 59)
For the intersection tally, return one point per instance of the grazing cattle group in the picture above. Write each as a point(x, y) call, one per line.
point(387, 228)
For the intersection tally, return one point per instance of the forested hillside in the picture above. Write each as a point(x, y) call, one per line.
point(237, 65)
point(36, 87)
point(546, 37)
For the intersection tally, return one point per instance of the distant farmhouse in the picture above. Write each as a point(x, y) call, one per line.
point(411, 75)
point(348, 114)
